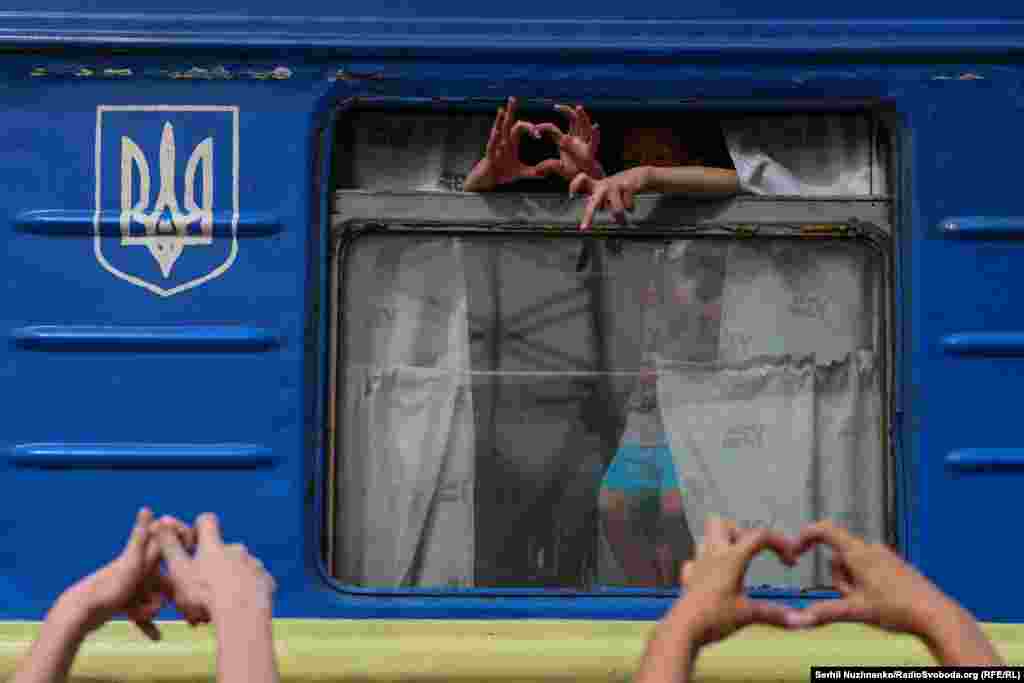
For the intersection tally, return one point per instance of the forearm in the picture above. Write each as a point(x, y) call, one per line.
point(245, 645)
point(955, 638)
point(50, 657)
point(672, 649)
point(691, 180)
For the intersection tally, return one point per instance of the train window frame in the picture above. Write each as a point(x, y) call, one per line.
point(356, 213)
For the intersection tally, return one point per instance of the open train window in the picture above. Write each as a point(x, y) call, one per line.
point(516, 404)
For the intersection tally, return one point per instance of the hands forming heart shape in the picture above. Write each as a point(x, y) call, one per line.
point(577, 163)
point(577, 149)
point(225, 585)
point(876, 588)
point(216, 579)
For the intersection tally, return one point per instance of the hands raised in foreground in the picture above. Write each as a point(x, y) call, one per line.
point(221, 584)
point(876, 588)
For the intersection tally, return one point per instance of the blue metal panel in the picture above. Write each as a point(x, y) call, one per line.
point(964, 400)
point(185, 401)
point(733, 10)
point(651, 26)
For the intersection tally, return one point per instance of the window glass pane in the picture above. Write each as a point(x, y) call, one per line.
point(513, 415)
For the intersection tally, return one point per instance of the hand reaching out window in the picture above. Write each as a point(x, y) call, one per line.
point(501, 163)
point(577, 149)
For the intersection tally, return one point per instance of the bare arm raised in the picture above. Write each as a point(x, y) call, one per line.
point(229, 587)
point(616, 192)
point(130, 585)
point(714, 603)
point(501, 162)
point(577, 149)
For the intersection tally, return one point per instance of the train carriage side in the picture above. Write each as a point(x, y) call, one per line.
point(242, 277)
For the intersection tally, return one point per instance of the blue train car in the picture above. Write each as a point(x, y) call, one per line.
point(243, 276)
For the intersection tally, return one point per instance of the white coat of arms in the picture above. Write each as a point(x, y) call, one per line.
point(166, 194)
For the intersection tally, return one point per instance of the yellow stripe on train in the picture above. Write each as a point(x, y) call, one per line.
point(507, 651)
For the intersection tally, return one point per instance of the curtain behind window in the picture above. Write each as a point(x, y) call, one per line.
point(786, 427)
point(406, 480)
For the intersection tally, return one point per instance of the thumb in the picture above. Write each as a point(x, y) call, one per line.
point(137, 542)
point(825, 612)
point(581, 184)
point(763, 612)
point(545, 168)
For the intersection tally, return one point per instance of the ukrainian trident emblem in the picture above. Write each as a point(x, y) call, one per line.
point(162, 217)
point(167, 228)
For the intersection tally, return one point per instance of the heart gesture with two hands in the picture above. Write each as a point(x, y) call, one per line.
point(577, 163)
point(577, 149)
point(207, 580)
point(876, 588)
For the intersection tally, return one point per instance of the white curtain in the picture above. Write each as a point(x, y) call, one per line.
point(743, 443)
point(406, 481)
point(787, 427)
point(810, 155)
point(848, 482)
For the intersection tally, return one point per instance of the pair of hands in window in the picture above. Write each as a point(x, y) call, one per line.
point(577, 160)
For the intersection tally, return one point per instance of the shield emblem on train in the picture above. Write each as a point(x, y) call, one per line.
point(166, 213)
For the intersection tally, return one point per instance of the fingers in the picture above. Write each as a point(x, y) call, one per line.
point(762, 612)
point(495, 137)
point(581, 184)
point(595, 202)
point(627, 198)
point(687, 572)
point(545, 168)
point(136, 546)
point(149, 629)
point(515, 134)
point(826, 612)
point(585, 127)
point(173, 525)
point(618, 209)
point(830, 534)
point(841, 579)
point(521, 127)
point(549, 129)
point(570, 114)
point(510, 117)
point(754, 541)
point(208, 531)
point(170, 546)
point(719, 532)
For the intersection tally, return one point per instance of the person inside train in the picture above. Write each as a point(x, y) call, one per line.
point(640, 498)
point(877, 588)
point(220, 584)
